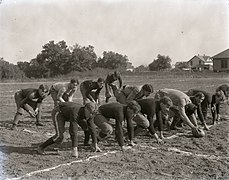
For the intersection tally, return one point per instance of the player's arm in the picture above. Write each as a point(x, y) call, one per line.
point(132, 96)
point(70, 97)
point(184, 117)
point(60, 94)
point(92, 130)
point(120, 81)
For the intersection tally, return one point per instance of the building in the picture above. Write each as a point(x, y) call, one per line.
point(183, 65)
point(129, 67)
point(199, 63)
point(221, 61)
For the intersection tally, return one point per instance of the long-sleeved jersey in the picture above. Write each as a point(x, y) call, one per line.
point(119, 113)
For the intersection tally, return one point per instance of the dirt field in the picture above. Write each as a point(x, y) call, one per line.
point(180, 157)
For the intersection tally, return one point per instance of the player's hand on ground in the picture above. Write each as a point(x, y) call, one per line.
point(96, 148)
point(160, 141)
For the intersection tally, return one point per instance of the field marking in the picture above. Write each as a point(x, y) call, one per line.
point(62, 165)
point(173, 149)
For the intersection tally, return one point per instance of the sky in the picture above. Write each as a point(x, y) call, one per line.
point(139, 29)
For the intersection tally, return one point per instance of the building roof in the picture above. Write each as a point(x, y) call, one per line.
point(202, 58)
point(223, 54)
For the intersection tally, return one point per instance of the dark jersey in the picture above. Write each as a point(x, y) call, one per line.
point(118, 112)
point(75, 112)
point(150, 107)
point(207, 96)
point(90, 85)
point(70, 110)
point(31, 94)
point(112, 78)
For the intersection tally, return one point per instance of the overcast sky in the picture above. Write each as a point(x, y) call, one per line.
point(140, 29)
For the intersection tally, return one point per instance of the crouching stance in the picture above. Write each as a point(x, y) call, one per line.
point(202, 100)
point(110, 80)
point(119, 112)
point(30, 100)
point(90, 90)
point(182, 109)
point(73, 113)
point(150, 107)
point(63, 92)
point(220, 95)
point(129, 93)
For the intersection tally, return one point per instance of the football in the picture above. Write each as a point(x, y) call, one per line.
point(197, 132)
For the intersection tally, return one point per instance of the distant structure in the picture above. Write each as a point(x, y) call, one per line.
point(183, 65)
point(221, 61)
point(199, 63)
point(129, 67)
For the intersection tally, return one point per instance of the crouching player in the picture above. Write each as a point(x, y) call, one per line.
point(150, 107)
point(119, 112)
point(73, 113)
point(202, 100)
point(30, 100)
point(220, 95)
point(182, 109)
point(110, 80)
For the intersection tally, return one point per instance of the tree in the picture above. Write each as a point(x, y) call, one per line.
point(112, 60)
point(161, 63)
point(82, 58)
point(9, 71)
point(53, 58)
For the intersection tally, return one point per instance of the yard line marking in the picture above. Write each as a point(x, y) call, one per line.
point(187, 153)
point(113, 152)
point(62, 165)
point(129, 147)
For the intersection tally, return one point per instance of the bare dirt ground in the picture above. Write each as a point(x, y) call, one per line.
point(180, 157)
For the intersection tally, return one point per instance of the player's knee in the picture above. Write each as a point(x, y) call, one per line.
point(141, 121)
point(108, 130)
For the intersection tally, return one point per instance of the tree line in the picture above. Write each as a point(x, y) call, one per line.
point(60, 59)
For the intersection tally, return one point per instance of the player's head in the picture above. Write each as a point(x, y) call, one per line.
point(147, 89)
point(43, 90)
point(117, 74)
point(90, 109)
point(74, 83)
point(199, 97)
point(100, 82)
point(133, 108)
point(190, 108)
point(165, 104)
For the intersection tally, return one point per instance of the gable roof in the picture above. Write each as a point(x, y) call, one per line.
point(223, 54)
point(202, 58)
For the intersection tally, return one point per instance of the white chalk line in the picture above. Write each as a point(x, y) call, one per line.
point(173, 149)
point(112, 152)
point(213, 157)
point(62, 165)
